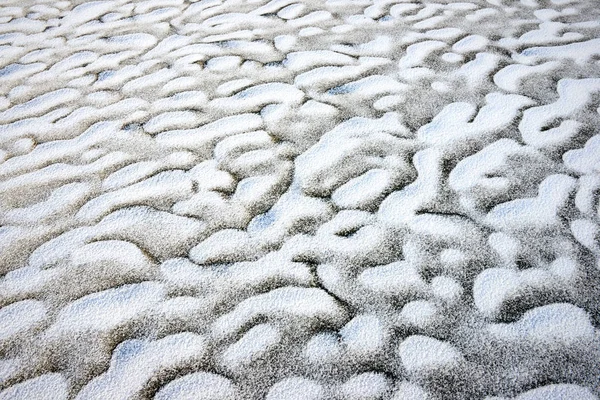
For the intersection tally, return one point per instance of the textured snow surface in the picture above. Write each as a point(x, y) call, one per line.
point(283, 199)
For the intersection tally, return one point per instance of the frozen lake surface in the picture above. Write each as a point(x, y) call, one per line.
point(271, 199)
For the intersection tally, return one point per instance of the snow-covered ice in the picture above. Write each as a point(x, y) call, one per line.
point(285, 199)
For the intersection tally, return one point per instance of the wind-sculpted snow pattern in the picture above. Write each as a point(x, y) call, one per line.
point(271, 199)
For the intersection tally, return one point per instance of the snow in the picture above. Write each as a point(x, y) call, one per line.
point(284, 199)
point(510, 77)
point(125, 378)
point(558, 392)
point(305, 304)
point(495, 288)
point(470, 44)
point(487, 177)
point(585, 160)
point(417, 53)
point(422, 354)
point(540, 212)
point(362, 191)
point(105, 311)
point(419, 314)
point(198, 386)
point(323, 348)
point(385, 280)
point(21, 317)
point(256, 343)
point(574, 95)
point(39, 105)
point(410, 391)
point(364, 336)
point(44, 387)
point(367, 386)
point(578, 52)
point(296, 388)
point(554, 325)
point(165, 187)
point(303, 60)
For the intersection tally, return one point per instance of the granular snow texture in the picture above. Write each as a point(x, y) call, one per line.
point(336, 199)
